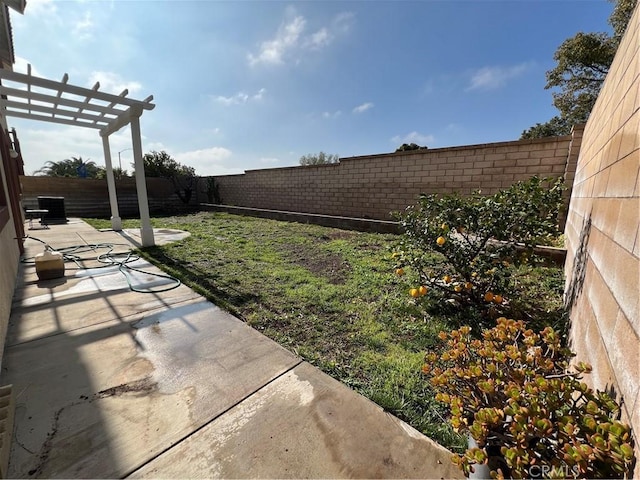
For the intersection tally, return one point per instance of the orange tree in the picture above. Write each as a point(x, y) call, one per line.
point(476, 239)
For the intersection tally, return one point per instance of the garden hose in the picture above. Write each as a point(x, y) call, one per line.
point(108, 259)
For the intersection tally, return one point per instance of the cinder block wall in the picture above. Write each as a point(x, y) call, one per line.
point(90, 198)
point(602, 267)
point(373, 186)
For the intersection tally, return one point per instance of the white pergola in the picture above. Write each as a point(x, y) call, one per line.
point(35, 98)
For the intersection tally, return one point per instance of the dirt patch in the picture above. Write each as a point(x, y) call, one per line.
point(323, 264)
point(338, 235)
point(143, 386)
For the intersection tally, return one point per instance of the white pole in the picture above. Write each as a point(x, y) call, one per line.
point(146, 231)
point(116, 221)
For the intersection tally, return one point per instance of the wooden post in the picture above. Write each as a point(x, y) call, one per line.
point(146, 231)
point(116, 221)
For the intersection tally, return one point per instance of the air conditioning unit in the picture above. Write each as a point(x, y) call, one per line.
point(55, 205)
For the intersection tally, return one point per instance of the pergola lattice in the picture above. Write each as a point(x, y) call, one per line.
point(35, 98)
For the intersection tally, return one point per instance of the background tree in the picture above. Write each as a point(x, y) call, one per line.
point(118, 173)
point(555, 127)
point(319, 159)
point(183, 177)
point(74, 167)
point(583, 62)
point(161, 164)
point(407, 147)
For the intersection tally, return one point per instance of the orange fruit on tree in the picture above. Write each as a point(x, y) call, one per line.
point(441, 241)
point(498, 299)
point(457, 288)
point(488, 297)
point(468, 285)
point(447, 279)
point(422, 290)
point(399, 272)
point(414, 293)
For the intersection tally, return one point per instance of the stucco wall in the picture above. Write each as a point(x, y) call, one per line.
point(373, 186)
point(9, 260)
point(602, 268)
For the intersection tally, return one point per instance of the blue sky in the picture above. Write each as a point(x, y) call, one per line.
point(242, 85)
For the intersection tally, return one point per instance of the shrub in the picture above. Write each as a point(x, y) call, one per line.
point(476, 239)
point(513, 392)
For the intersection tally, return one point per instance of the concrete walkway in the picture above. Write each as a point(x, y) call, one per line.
point(110, 382)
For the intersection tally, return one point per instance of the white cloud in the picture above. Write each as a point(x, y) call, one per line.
point(208, 161)
point(335, 114)
point(489, 78)
point(272, 51)
point(342, 22)
point(239, 98)
point(320, 39)
point(290, 38)
point(363, 108)
point(112, 82)
point(82, 29)
point(414, 137)
point(55, 143)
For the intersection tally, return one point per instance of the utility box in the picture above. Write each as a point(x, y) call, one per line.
point(55, 205)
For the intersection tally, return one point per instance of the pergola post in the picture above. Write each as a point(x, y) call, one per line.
point(116, 221)
point(146, 231)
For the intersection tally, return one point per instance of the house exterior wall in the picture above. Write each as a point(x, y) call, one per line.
point(603, 243)
point(8, 271)
point(9, 257)
point(373, 186)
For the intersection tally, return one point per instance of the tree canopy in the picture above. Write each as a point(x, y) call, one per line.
point(555, 127)
point(407, 147)
point(183, 177)
point(582, 63)
point(161, 164)
point(320, 158)
point(74, 167)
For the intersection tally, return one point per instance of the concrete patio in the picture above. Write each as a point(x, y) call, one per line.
point(110, 382)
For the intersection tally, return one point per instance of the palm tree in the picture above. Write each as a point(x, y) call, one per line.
point(70, 167)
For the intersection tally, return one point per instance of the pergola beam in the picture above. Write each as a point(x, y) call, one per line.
point(71, 89)
point(65, 79)
point(63, 121)
point(117, 123)
point(85, 104)
point(44, 98)
point(16, 106)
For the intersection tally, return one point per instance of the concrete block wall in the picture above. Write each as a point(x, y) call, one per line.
point(90, 197)
point(373, 186)
point(602, 234)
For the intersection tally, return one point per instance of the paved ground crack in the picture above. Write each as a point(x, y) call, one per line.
point(45, 450)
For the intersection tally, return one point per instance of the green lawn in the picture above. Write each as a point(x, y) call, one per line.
point(331, 297)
